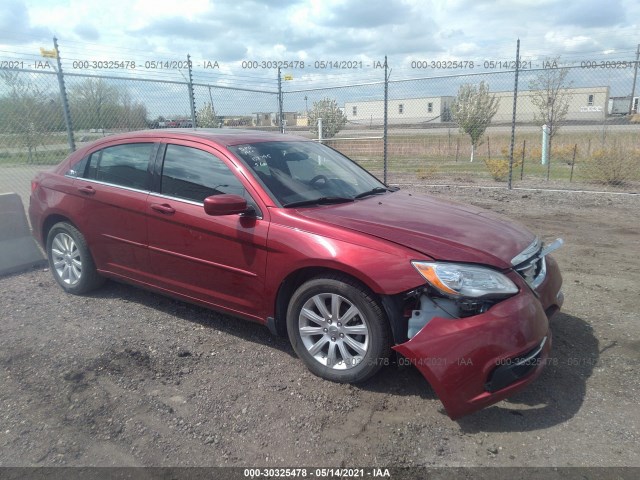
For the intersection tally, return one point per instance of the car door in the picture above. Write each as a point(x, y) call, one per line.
point(219, 260)
point(114, 184)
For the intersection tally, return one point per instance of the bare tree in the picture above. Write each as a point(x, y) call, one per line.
point(473, 109)
point(551, 97)
point(24, 111)
point(92, 101)
point(96, 103)
point(132, 115)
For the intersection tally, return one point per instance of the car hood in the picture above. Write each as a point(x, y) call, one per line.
point(440, 229)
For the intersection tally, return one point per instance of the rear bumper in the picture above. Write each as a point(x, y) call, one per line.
point(476, 361)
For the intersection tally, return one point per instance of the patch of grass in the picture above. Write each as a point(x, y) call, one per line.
point(448, 153)
point(49, 157)
point(15, 140)
point(499, 168)
point(613, 165)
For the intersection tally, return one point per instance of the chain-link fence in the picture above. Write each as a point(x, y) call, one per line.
point(588, 139)
point(449, 124)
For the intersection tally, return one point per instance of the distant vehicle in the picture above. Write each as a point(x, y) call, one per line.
point(293, 235)
point(185, 124)
point(620, 105)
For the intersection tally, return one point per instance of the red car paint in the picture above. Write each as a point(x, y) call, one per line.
point(239, 264)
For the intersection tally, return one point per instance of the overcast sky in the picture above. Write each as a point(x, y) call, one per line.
point(235, 30)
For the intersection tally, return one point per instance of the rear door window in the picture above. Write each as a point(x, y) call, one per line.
point(125, 165)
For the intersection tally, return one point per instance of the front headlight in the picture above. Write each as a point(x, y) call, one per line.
point(459, 280)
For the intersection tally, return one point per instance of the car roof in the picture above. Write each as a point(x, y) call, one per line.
point(221, 136)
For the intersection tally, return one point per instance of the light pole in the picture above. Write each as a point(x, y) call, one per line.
point(306, 105)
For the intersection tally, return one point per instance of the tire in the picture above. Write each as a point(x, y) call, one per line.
point(349, 349)
point(70, 261)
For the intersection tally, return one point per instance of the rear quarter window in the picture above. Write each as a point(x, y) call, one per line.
point(78, 169)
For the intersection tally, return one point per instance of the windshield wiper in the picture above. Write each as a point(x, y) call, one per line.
point(319, 201)
point(373, 191)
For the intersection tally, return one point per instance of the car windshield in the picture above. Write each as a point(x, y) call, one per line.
point(307, 173)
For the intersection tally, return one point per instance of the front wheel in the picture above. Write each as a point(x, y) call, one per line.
point(70, 260)
point(338, 328)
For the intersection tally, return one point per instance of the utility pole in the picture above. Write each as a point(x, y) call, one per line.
point(513, 120)
point(384, 131)
point(192, 96)
point(280, 113)
point(213, 109)
point(635, 76)
point(63, 97)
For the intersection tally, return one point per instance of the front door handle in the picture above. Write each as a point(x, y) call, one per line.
point(89, 190)
point(164, 208)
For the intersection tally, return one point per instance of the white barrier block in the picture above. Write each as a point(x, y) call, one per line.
point(18, 249)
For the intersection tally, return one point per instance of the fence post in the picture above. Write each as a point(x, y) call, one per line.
point(385, 124)
point(544, 156)
point(546, 149)
point(513, 119)
point(573, 161)
point(63, 98)
point(635, 76)
point(280, 113)
point(192, 97)
point(524, 147)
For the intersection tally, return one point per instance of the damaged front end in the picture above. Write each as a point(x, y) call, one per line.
point(476, 334)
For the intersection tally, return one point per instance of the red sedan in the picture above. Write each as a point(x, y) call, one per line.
point(291, 234)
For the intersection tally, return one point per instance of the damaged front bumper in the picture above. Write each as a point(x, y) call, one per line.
point(476, 361)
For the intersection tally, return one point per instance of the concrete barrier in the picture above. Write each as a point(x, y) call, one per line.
point(18, 249)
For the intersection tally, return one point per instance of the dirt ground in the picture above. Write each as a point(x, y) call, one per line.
point(129, 378)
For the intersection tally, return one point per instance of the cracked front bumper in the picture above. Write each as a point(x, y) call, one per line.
point(476, 361)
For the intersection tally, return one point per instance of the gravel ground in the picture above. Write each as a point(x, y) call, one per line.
point(130, 378)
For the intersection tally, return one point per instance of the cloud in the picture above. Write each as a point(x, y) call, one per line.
point(371, 14)
point(15, 24)
point(177, 27)
point(230, 31)
point(591, 14)
point(87, 32)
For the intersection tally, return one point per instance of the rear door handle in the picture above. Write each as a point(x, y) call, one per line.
point(164, 208)
point(87, 189)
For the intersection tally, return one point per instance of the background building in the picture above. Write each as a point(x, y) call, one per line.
point(588, 104)
point(409, 110)
point(270, 119)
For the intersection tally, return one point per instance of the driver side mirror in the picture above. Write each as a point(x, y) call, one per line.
point(225, 204)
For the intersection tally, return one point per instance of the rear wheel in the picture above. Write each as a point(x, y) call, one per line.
point(338, 328)
point(70, 260)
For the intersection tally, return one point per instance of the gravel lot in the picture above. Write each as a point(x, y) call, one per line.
point(127, 377)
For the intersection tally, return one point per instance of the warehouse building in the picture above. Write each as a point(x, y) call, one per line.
point(588, 104)
point(409, 110)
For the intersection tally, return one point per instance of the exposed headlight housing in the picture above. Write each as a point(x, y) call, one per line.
point(465, 281)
